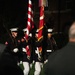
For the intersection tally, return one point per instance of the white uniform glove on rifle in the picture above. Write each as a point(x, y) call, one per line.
point(28, 57)
point(23, 49)
point(37, 52)
point(45, 61)
point(15, 50)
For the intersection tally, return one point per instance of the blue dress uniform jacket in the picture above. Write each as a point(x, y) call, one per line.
point(50, 47)
point(62, 62)
point(35, 54)
point(11, 45)
point(23, 44)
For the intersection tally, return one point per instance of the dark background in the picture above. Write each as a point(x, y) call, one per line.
point(14, 12)
point(58, 14)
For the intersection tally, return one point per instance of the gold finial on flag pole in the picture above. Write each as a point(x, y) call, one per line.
point(43, 3)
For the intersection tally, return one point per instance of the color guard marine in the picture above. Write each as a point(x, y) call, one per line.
point(37, 54)
point(25, 52)
point(51, 45)
point(13, 43)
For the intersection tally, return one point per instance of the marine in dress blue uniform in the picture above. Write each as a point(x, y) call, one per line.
point(26, 53)
point(51, 44)
point(13, 44)
point(37, 56)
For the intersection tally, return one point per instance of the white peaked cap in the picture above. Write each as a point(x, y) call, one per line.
point(50, 30)
point(25, 29)
point(13, 29)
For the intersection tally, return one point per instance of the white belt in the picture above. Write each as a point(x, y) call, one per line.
point(49, 50)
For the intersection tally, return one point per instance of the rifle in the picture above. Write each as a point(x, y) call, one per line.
point(8, 33)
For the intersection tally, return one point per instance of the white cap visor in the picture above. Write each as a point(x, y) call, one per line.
point(25, 29)
point(13, 29)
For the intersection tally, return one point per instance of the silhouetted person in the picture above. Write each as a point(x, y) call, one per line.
point(51, 45)
point(62, 62)
point(8, 64)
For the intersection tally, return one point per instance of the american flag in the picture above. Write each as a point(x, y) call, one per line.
point(42, 4)
point(41, 23)
point(30, 24)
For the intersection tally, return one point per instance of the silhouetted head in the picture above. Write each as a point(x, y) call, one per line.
point(72, 32)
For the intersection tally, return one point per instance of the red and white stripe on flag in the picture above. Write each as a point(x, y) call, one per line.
point(41, 23)
point(32, 21)
point(29, 23)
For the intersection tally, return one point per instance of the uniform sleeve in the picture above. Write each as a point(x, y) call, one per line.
point(55, 47)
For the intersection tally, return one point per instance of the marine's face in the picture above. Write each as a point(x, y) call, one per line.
point(14, 34)
point(24, 33)
point(49, 35)
point(36, 35)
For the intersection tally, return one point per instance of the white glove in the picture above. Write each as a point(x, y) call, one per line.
point(23, 49)
point(31, 65)
point(45, 61)
point(33, 62)
point(15, 50)
point(28, 57)
point(30, 35)
point(20, 62)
